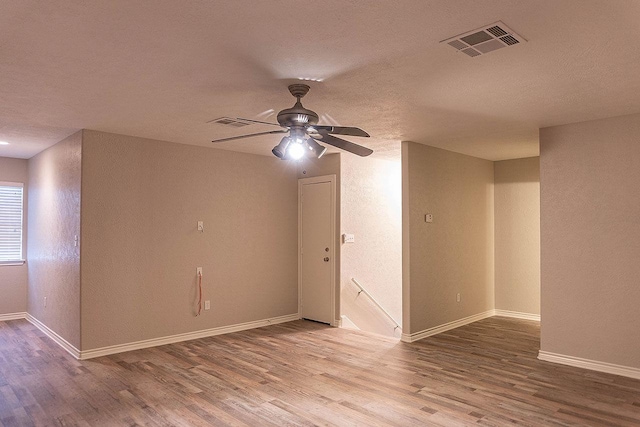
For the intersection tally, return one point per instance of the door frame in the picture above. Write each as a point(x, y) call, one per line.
point(332, 262)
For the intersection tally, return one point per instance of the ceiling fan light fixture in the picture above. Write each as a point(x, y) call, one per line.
point(280, 150)
point(316, 148)
point(295, 151)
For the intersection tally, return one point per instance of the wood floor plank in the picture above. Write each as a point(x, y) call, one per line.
point(306, 374)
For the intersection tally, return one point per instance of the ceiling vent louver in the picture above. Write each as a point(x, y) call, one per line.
point(228, 121)
point(485, 39)
point(471, 52)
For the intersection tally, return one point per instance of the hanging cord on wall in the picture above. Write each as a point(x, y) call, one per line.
point(199, 293)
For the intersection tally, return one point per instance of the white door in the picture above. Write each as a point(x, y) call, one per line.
point(316, 251)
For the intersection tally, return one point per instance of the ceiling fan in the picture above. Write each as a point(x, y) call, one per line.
point(305, 133)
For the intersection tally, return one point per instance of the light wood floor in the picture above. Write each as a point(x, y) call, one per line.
point(305, 374)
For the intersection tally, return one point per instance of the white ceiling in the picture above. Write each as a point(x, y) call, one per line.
point(161, 69)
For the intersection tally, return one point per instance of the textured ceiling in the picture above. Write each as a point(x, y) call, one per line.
point(161, 69)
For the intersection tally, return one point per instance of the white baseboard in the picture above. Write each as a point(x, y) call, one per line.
point(54, 336)
point(12, 316)
point(516, 315)
point(594, 365)
point(445, 327)
point(121, 348)
point(465, 321)
point(345, 322)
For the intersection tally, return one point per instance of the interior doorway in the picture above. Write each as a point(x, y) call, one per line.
point(316, 248)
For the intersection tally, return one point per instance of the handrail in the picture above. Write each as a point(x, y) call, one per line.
point(376, 303)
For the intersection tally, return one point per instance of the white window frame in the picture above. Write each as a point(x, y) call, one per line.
point(20, 259)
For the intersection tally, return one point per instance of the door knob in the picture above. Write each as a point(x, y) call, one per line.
point(326, 259)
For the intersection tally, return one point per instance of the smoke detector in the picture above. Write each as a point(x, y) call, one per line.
point(485, 39)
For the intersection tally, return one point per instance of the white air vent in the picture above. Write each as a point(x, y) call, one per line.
point(228, 121)
point(485, 39)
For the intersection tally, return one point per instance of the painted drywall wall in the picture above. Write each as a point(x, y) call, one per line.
point(517, 235)
point(13, 278)
point(372, 211)
point(328, 165)
point(406, 239)
point(590, 240)
point(455, 253)
point(53, 257)
point(141, 203)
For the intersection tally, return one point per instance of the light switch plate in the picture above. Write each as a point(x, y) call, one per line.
point(348, 238)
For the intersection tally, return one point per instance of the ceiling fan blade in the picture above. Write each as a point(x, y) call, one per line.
point(249, 135)
point(341, 130)
point(257, 121)
point(344, 145)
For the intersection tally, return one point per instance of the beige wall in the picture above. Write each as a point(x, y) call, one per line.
point(455, 253)
point(517, 235)
point(328, 165)
point(372, 211)
point(54, 220)
point(590, 240)
point(13, 278)
point(140, 206)
point(406, 239)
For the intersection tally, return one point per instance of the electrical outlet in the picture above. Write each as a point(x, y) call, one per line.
point(198, 271)
point(207, 305)
point(200, 226)
point(458, 297)
point(428, 217)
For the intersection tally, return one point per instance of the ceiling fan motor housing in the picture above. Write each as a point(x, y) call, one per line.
point(297, 116)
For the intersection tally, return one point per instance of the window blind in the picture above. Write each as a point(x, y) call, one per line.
point(10, 222)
